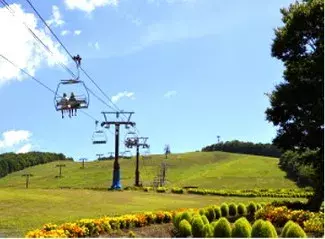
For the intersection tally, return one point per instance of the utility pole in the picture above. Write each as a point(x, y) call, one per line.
point(60, 171)
point(137, 142)
point(110, 155)
point(116, 167)
point(83, 162)
point(27, 175)
point(99, 156)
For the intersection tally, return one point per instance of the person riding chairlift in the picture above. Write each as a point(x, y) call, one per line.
point(73, 104)
point(64, 104)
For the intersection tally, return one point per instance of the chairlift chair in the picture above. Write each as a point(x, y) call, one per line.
point(99, 137)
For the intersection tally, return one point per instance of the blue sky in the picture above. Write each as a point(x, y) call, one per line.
point(190, 70)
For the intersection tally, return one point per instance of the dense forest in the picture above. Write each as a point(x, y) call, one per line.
point(11, 162)
point(241, 147)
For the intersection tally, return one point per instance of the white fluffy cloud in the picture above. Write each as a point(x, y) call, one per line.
point(56, 18)
point(94, 45)
point(77, 32)
point(89, 5)
point(19, 46)
point(170, 93)
point(25, 149)
point(12, 137)
point(65, 32)
point(120, 95)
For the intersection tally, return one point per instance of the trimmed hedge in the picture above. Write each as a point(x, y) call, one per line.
point(242, 228)
point(232, 209)
point(222, 228)
point(185, 228)
point(224, 210)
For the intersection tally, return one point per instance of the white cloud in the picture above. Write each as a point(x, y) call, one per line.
point(65, 32)
point(170, 93)
point(96, 45)
point(56, 18)
point(19, 46)
point(89, 5)
point(126, 94)
point(77, 32)
point(13, 137)
point(25, 149)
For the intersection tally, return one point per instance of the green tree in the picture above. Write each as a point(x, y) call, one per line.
point(297, 104)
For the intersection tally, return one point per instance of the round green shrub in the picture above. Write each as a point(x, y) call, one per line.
point(186, 216)
point(217, 211)
point(176, 219)
point(257, 227)
point(213, 224)
point(197, 227)
point(208, 231)
point(204, 219)
point(222, 228)
point(295, 231)
point(211, 214)
point(251, 208)
point(258, 206)
point(263, 229)
point(202, 211)
point(241, 209)
point(185, 228)
point(286, 227)
point(232, 209)
point(242, 228)
point(224, 210)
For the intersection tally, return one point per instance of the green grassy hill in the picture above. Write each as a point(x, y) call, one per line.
point(217, 170)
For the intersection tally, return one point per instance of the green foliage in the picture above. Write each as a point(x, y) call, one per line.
point(286, 228)
point(315, 225)
point(177, 190)
point(297, 104)
point(161, 190)
point(258, 206)
point(208, 231)
point(263, 229)
point(197, 227)
point(11, 162)
point(295, 231)
point(176, 219)
point(241, 209)
point(217, 212)
point(211, 214)
point(237, 146)
point(205, 219)
point(131, 234)
point(202, 211)
point(242, 228)
point(232, 209)
point(186, 215)
point(185, 228)
point(222, 228)
point(224, 210)
point(251, 208)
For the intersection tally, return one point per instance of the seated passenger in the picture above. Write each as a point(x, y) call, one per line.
point(64, 103)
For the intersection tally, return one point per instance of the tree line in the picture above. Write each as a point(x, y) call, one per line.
point(236, 146)
point(12, 162)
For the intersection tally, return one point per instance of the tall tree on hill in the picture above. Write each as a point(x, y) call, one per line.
point(167, 150)
point(297, 104)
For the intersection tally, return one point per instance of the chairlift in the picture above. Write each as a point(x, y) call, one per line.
point(79, 95)
point(99, 136)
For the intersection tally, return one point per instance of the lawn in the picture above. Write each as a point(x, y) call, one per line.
point(26, 209)
point(215, 170)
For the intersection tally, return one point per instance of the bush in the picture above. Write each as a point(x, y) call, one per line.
point(197, 227)
point(202, 211)
point(217, 211)
point(131, 234)
point(205, 219)
point(286, 227)
point(315, 225)
point(224, 210)
point(207, 231)
point(211, 214)
point(177, 190)
point(185, 228)
point(242, 228)
point(258, 206)
point(186, 216)
point(222, 228)
point(232, 209)
point(241, 209)
point(295, 231)
point(176, 219)
point(251, 208)
point(263, 229)
point(161, 190)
